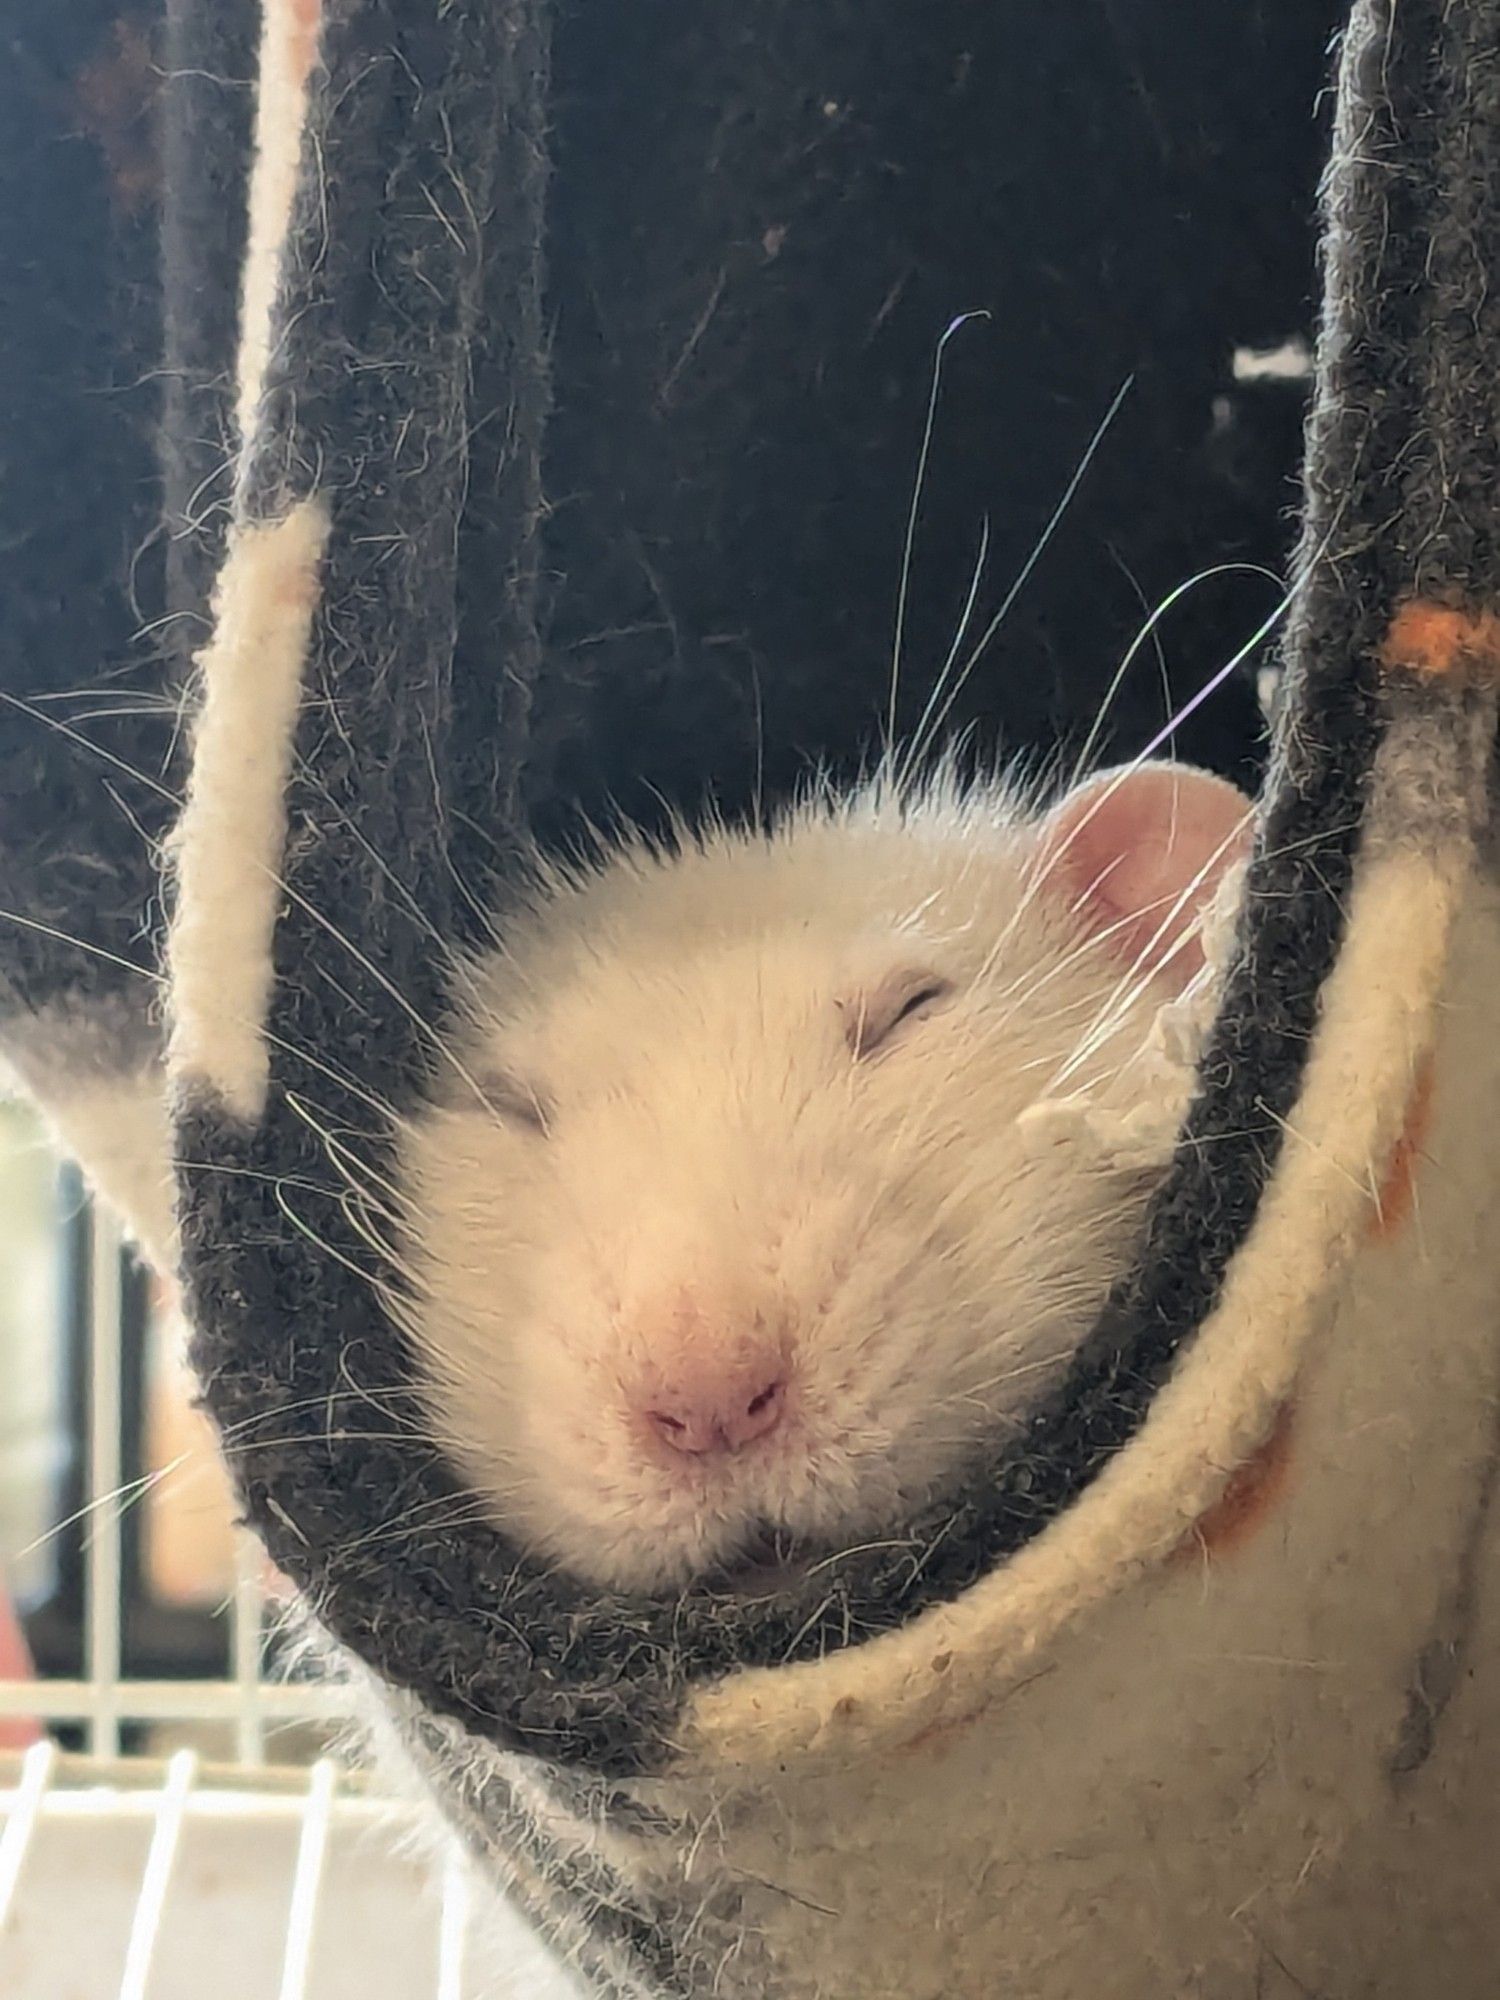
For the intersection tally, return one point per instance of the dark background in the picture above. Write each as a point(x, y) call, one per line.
point(763, 218)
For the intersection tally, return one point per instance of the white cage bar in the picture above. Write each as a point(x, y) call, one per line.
point(146, 1922)
point(150, 1828)
point(122, 1875)
point(327, 1855)
point(102, 1539)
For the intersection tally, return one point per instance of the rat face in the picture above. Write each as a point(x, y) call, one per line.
point(730, 1229)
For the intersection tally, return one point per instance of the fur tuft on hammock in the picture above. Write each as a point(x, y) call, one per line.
point(1192, 1690)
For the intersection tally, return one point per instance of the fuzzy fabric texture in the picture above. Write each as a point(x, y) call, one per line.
point(397, 565)
point(1263, 1769)
point(501, 429)
point(465, 1621)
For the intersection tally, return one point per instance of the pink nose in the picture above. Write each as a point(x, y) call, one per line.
point(714, 1410)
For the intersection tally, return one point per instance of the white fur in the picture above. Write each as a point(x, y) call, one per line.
point(1101, 1771)
point(1378, 1020)
point(680, 1020)
point(226, 851)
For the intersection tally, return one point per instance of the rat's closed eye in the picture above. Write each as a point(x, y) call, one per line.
point(515, 1100)
point(873, 1016)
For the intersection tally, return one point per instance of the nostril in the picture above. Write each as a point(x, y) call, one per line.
point(764, 1404)
point(688, 1429)
point(717, 1418)
point(758, 1415)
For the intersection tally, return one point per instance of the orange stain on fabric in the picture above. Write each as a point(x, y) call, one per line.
point(305, 18)
point(1250, 1495)
point(1255, 1487)
point(1395, 1200)
point(1437, 639)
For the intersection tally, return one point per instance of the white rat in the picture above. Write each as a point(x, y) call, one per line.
point(742, 1224)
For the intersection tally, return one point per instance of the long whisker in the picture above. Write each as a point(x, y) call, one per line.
point(343, 1159)
point(404, 1434)
point(477, 907)
point(1147, 630)
point(378, 1104)
point(435, 1040)
point(904, 587)
point(305, 1228)
point(453, 958)
point(369, 1398)
point(1023, 577)
point(1230, 667)
point(975, 581)
point(129, 1495)
point(186, 1166)
point(82, 944)
point(87, 743)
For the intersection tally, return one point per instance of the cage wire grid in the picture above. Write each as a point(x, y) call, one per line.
point(117, 1810)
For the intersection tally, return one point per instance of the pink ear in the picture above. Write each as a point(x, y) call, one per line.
point(1140, 853)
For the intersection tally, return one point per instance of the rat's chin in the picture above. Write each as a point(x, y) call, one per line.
point(752, 1537)
point(759, 1564)
point(767, 1562)
point(749, 1559)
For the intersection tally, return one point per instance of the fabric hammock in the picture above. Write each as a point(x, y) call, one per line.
point(1192, 1689)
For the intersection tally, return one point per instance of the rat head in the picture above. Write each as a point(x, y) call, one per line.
point(724, 1224)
